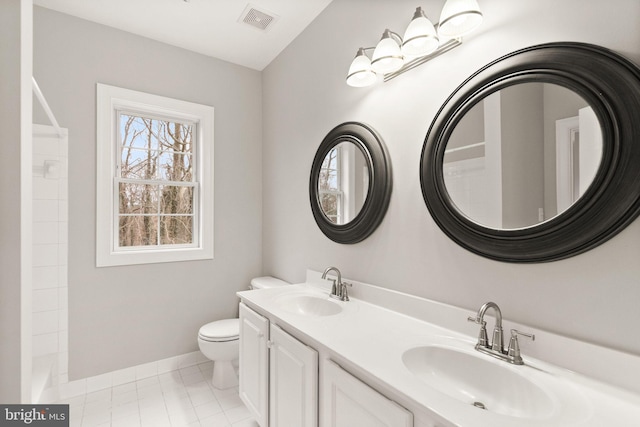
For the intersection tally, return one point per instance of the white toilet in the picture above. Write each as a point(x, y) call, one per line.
point(220, 340)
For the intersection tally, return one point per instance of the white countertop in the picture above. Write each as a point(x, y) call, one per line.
point(374, 339)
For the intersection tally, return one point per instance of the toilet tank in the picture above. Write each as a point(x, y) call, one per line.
point(265, 282)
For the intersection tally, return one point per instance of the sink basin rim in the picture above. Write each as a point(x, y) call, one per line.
point(307, 304)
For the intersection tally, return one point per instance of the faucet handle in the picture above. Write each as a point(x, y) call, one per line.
point(514, 347)
point(483, 340)
point(345, 293)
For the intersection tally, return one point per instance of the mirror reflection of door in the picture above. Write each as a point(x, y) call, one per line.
point(578, 152)
point(343, 183)
point(503, 166)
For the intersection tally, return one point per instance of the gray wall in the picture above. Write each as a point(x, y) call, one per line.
point(593, 296)
point(11, 117)
point(125, 316)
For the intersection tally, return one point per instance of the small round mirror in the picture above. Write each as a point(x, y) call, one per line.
point(350, 183)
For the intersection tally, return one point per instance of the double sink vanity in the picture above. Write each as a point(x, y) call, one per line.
point(307, 359)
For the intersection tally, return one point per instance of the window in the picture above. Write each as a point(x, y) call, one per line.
point(329, 186)
point(155, 178)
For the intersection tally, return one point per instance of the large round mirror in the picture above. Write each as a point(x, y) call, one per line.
point(522, 155)
point(535, 156)
point(350, 183)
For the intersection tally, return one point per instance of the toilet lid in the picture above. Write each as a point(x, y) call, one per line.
point(220, 330)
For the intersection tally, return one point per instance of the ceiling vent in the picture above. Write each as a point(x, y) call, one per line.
point(257, 18)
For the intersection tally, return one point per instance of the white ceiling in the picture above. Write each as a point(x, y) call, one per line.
point(210, 27)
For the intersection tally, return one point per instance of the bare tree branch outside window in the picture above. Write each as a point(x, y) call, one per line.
point(156, 185)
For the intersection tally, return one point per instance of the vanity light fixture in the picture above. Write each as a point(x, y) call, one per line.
point(423, 41)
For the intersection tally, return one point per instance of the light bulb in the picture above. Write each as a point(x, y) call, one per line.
point(459, 17)
point(387, 57)
point(360, 73)
point(420, 38)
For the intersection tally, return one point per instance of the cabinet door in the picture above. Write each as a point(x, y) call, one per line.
point(253, 383)
point(348, 402)
point(293, 399)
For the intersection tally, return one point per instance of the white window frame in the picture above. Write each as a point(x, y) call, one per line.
point(338, 193)
point(111, 100)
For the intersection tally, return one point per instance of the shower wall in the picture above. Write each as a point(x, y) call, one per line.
point(50, 224)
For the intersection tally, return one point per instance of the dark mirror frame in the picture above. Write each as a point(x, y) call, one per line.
point(380, 182)
point(611, 85)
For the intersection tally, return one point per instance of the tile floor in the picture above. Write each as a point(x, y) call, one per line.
point(184, 397)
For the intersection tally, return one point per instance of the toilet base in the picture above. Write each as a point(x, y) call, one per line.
point(224, 375)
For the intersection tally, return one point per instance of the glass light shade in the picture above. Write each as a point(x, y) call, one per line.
point(360, 73)
point(420, 38)
point(459, 17)
point(387, 57)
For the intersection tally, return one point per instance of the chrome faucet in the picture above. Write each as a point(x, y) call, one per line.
point(496, 348)
point(339, 288)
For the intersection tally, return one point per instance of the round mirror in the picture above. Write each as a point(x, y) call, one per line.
point(522, 155)
point(350, 183)
point(343, 182)
point(535, 157)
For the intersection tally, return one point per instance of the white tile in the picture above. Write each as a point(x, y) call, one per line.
point(127, 388)
point(193, 378)
point(218, 420)
point(200, 397)
point(125, 399)
point(63, 211)
point(208, 409)
point(249, 422)
point(63, 318)
point(238, 414)
point(45, 211)
point(97, 396)
point(188, 359)
point(73, 388)
point(45, 189)
point(99, 382)
point(130, 421)
point(152, 381)
point(63, 340)
point(46, 146)
point(229, 402)
point(63, 186)
point(146, 370)
point(45, 344)
point(123, 376)
point(63, 298)
point(125, 409)
point(63, 257)
point(45, 300)
point(189, 370)
point(45, 277)
point(45, 322)
point(45, 233)
point(45, 255)
point(63, 362)
point(167, 365)
point(183, 418)
point(62, 275)
point(63, 232)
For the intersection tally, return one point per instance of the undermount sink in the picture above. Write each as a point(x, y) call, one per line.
point(309, 305)
point(490, 385)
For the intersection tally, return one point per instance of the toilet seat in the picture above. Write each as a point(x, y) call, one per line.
point(220, 331)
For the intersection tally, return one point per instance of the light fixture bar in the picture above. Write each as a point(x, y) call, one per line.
point(446, 47)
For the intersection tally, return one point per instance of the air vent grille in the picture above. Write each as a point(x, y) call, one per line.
point(259, 19)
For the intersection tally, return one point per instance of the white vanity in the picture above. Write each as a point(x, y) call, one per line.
point(390, 359)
